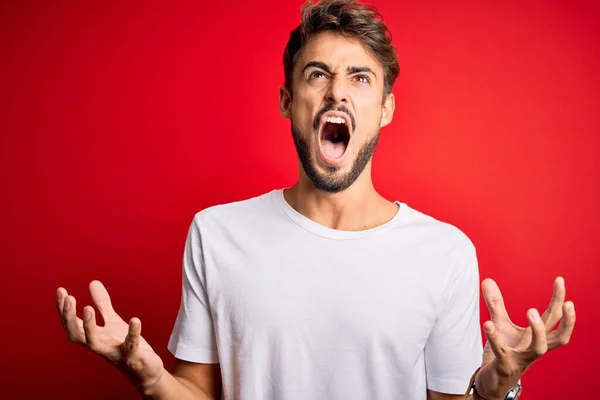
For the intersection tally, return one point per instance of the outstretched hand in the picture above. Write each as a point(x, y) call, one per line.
point(511, 349)
point(117, 341)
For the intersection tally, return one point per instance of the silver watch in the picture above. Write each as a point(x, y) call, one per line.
point(514, 393)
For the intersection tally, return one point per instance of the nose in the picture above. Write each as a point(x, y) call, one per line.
point(337, 91)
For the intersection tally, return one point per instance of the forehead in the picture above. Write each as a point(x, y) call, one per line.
point(337, 51)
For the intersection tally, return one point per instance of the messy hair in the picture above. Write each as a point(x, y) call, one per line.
point(351, 19)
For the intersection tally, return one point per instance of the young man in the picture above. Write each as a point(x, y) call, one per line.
point(326, 290)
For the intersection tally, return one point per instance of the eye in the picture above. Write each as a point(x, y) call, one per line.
point(316, 75)
point(362, 78)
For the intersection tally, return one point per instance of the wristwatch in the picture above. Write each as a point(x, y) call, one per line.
point(514, 393)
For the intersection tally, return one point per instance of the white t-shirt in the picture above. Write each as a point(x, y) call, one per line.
point(291, 309)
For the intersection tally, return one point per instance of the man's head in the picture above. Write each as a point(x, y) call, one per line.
point(340, 67)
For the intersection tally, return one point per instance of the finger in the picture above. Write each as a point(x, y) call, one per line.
point(102, 301)
point(562, 335)
point(539, 343)
point(553, 313)
point(61, 294)
point(494, 301)
point(494, 347)
point(132, 341)
point(73, 324)
point(90, 329)
point(496, 344)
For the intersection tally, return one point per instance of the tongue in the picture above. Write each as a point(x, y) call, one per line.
point(333, 150)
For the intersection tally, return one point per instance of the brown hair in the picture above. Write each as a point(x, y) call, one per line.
point(351, 19)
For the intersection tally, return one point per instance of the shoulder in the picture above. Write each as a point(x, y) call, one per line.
point(453, 269)
point(436, 235)
point(241, 212)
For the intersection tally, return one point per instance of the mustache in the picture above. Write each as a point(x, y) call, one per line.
point(330, 107)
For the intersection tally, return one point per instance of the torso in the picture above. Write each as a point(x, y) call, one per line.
point(306, 312)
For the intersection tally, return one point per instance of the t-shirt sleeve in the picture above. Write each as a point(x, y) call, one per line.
point(454, 348)
point(193, 337)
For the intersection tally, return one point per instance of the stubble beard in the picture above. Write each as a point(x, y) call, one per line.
point(332, 181)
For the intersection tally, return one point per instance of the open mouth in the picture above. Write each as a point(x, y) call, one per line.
point(334, 136)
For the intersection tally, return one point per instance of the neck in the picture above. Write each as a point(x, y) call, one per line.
point(357, 208)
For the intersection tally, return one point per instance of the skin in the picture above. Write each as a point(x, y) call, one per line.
point(334, 83)
point(121, 344)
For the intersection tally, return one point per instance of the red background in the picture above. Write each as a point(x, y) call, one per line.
point(120, 120)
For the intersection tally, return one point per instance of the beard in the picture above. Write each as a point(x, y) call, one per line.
point(331, 181)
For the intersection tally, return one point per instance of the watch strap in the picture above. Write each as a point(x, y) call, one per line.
point(471, 384)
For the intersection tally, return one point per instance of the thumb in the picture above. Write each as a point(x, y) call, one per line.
point(144, 369)
point(132, 340)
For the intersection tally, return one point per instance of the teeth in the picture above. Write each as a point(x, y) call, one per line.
point(335, 120)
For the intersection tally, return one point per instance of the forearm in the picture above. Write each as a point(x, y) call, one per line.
point(475, 397)
point(170, 387)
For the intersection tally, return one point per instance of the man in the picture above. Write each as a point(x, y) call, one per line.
point(326, 290)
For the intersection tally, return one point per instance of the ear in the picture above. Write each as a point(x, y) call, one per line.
point(285, 102)
point(389, 105)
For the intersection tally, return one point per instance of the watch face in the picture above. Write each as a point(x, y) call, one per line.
point(514, 393)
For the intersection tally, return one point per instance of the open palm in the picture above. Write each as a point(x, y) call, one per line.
point(512, 349)
point(117, 341)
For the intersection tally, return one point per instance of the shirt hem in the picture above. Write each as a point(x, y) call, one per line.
point(192, 354)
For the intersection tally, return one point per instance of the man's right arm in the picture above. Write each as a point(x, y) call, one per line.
point(188, 381)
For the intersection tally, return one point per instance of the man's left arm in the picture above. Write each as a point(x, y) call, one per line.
point(510, 349)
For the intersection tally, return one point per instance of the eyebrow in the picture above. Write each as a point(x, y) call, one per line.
point(349, 70)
